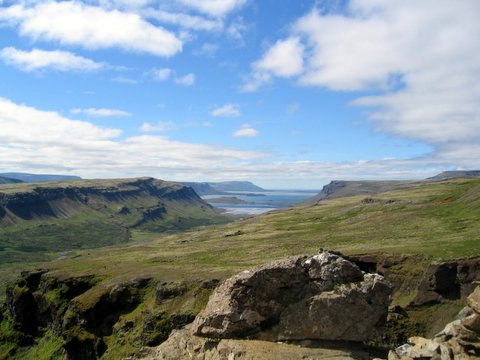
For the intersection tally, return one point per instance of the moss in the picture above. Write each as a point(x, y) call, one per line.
point(50, 347)
point(10, 338)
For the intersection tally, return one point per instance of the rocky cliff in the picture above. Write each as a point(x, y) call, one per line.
point(459, 340)
point(48, 217)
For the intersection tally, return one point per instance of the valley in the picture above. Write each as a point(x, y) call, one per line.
point(401, 233)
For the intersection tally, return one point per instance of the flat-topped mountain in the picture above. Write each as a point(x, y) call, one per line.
point(339, 188)
point(236, 186)
point(220, 188)
point(455, 174)
point(26, 177)
point(58, 216)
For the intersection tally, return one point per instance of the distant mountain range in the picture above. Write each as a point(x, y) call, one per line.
point(26, 177)
point(7, 180)
point(455, 174)
point(221, 188)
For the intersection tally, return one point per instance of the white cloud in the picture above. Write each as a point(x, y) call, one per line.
point(124, 80)
point(214, 7)
point(187, 80)
point(292, 108)
point(164, 126)
point(33, 139)
point(92, 27)
point(161, 74)
point(227, 110)
point(101, 112)
point(36, 59)
point(421, 58)
point(236, 30)
point(36, 140)
point(160, 126)
point(184, 20)
point(25, 126)
point(207, 49)
point(246, 131)
point(284, 59)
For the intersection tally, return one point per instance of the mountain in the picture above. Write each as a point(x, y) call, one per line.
point(236, 186)
point(7, 180)
point(221, 188)
point(455, 174)
point(336, 189)
point(25, 177)
point(41, 219)
point(113, 302)
point(203, 188)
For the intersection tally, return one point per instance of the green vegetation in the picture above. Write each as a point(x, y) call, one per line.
point(430, 221)
point(40, 222)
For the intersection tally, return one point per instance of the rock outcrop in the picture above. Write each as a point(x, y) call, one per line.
point(322, 298)
point(183, 345)
point(449, 280)
point(459, 340)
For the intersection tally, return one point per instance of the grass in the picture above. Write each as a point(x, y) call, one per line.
point(92, 213)
point(398, 222)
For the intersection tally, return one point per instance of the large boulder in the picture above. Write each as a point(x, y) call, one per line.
point(324, 297)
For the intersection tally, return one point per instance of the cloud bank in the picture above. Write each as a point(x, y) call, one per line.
point(90, 27)
point(420, 59)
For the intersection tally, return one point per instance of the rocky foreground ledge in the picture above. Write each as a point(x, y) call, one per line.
point(459, 340)
point(287, 310)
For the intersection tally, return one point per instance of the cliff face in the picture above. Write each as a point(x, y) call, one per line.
point(43, 201)
point(37, 218)
point(340, 188)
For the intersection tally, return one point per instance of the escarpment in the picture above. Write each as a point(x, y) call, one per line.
point(63, 201)
point(37, 220)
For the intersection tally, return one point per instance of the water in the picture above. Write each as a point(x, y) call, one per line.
point(262, 202)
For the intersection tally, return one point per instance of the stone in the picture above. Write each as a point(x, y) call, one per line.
point(472, 323)
point(169, 290)
point(352, 312)
point(183, 345)
point(244, 303)
point(324, 297)
point(329, 267)
point(459, 340)
point(473, 300)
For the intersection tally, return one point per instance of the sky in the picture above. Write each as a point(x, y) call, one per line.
point(287, 94)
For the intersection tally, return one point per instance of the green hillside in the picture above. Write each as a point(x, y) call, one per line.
point(39, 220)
point(431, 221)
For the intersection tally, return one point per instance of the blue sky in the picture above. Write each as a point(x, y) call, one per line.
point(287, 94)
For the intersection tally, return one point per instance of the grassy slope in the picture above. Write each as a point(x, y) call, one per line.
point(98, 223)
point(430, 221)
point(436, 220)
